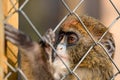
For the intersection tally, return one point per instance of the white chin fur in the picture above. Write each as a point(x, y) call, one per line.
point(59, 67)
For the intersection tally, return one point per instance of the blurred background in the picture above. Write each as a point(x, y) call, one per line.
point(46, 14)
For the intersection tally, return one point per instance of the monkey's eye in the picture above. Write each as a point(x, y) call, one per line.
point(72, 39)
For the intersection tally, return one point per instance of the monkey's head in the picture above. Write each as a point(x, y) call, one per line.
point(73, 41)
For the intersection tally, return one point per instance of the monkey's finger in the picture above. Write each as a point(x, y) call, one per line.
point(10, 34)
point(13, 33)
point(12, 40)
point(10, 28)
point(50, 35)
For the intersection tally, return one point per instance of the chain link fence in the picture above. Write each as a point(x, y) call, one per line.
point(73, 12)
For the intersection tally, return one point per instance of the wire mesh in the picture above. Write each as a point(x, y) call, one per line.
point(73, 12)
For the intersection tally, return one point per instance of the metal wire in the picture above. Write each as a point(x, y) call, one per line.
point(20, 10)
point(67, 14)
point(114, 7)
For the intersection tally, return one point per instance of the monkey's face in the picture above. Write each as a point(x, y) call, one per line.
point(70, 43)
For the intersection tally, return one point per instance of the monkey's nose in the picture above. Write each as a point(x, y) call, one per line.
point(61, 47)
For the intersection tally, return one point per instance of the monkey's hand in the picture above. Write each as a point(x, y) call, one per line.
point(17, 37)
point(49, 39)
point(49, 36)
point(22, 41)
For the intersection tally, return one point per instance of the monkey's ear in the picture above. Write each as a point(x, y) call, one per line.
point(110, 46)
point(17, 37)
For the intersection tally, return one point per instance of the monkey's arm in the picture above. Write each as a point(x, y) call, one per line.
point(35, 52)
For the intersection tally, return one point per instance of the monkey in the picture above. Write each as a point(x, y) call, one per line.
point(71, 43)
point(78, 42)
